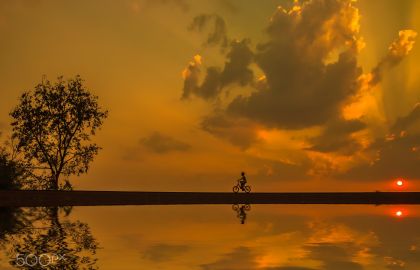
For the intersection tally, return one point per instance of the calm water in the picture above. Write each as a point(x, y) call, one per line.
point(273, 237)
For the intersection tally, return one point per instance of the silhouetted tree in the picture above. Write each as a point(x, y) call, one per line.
point(53, 125)
point(10, 171)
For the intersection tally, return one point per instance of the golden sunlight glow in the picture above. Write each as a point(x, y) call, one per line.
point(404, 44)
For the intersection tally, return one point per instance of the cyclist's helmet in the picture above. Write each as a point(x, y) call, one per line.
point(242, 173)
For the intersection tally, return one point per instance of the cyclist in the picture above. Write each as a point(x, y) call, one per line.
point(242, 180)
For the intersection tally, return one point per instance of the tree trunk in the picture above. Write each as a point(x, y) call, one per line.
point(54, 182)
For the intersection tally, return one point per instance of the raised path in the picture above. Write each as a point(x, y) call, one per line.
point(22, 198)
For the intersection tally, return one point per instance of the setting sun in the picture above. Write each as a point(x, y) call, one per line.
point(400, 183)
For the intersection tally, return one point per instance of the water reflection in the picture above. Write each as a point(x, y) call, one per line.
point(241, 211)
point(208, 237)
point(12, 221)
point(45, 238)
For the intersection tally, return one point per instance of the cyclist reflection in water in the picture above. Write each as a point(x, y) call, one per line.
point(242, 214)
point(240, 211)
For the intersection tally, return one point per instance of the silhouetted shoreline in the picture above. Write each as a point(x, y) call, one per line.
point(31, 198)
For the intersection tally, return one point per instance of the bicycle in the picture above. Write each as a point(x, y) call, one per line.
point(238, 186)
point(241, 211)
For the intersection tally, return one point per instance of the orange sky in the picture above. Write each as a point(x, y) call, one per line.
point(265, 89)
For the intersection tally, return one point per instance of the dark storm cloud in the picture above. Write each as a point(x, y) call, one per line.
point(161, 144)
point(303, 88)
point(304, 85)
point(239, 132)
point(308, 99)
point(336, 137)
point(236, 68)
point(164, 252)
point(235, 71)
point(218, 33)
point(210, 88)
point(309, 74)
point(397, 154)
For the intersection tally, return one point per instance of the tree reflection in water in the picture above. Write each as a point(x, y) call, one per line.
point(46, 238)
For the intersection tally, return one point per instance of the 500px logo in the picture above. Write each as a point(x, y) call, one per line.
point(43, 260)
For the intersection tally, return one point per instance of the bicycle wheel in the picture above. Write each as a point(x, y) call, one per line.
point(247, 189)
point(235, 207)
point(247, 207)
point(236, 189)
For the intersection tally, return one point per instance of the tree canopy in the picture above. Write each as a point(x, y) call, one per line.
point(53, 125)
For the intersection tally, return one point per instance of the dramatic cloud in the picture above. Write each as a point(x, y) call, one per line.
point(395, 155)
point(236, 68)
point(161, 144)
point(164, 252)
point(337, 137)
point(239, 132)
point(399, 48)
point(211, 85)
point(217, 35)
point(305, 84)
point(302, 77)
point(191, 75)
point(235, 71)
